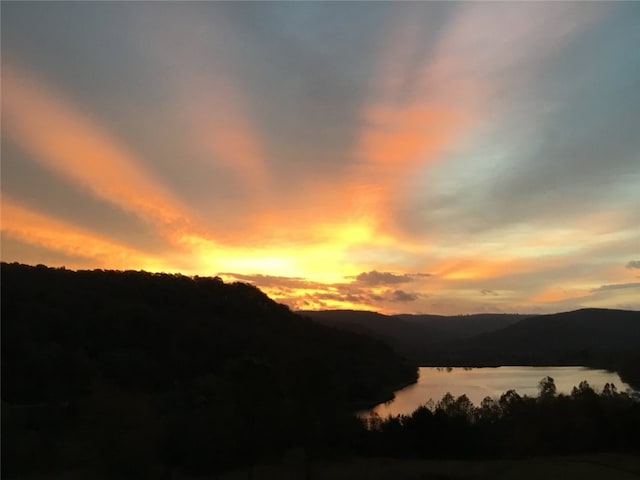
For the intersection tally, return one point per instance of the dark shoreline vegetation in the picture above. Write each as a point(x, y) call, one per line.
point(133, 374)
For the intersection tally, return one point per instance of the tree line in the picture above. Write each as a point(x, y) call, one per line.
point(134, 373)
point(511, 425)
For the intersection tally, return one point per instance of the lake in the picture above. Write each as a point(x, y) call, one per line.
point(478, 383)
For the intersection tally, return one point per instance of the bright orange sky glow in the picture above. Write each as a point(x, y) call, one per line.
point(422, 158)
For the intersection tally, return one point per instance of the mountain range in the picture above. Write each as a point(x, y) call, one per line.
point(604, 338)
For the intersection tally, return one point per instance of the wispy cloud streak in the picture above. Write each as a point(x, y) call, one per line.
point(70, 144)
point(52, 234)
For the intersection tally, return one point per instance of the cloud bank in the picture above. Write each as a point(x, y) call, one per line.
point(329, 151)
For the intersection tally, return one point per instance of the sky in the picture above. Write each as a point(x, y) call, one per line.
point(424, 157)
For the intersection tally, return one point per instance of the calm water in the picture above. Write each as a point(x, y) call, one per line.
point(478, 383)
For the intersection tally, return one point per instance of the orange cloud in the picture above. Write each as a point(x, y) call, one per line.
point(40, 230)
point(409, 120)
point(67, 142)
point(483, 266)
point(220, 126)
point(205, 97)
point(557, 294)
point(425, 100)
point(413, 113)
point(586, 284)
point(405, 135)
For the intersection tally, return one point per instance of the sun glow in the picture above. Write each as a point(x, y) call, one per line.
point(434, 154)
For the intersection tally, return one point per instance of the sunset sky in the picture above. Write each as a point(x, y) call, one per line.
point(399, 157)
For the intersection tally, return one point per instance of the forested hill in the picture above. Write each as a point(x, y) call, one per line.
point(604, 338)
point(562, 337)
point(415, 335)
point(222, 365)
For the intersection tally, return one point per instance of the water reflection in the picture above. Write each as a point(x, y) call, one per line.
point(477, 383)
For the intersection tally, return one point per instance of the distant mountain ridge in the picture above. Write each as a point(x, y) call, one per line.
point(605, 338)
point(411, 334)
point(563, 337)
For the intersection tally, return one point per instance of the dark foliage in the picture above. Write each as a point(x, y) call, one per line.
point(577, 337)
point(512, 426)
point(416, 336)
point(132, 374)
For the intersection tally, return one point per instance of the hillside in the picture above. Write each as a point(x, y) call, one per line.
point(587, 331)
point(405, 336)
point(413, 335)
point(562, 338)
point(601, 338)
point(465, 326)
point(161, 357)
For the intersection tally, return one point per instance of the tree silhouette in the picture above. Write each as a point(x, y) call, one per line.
point(547, 388)
point(513, 426)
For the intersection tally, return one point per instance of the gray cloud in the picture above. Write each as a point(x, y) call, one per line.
point(616, 286)
point(551, 163)
point(374, 278)
point(320, 294)
point(52, 195)
point(381, 278)
point(349, 293)
point(633, 264)
point(402, 296)
point(488, 292)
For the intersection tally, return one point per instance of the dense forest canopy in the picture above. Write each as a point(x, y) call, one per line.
point(213, 366)
point(512, 425)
